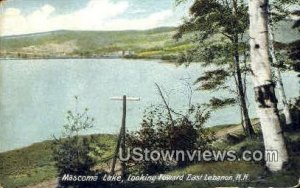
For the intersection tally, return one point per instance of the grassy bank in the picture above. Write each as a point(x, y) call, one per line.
point(33, 165)
point(258, 175)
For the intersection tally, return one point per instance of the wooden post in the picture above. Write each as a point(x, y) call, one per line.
point(116, 152)
point(122, 135)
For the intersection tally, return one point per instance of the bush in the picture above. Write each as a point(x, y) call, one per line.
point(159, 131)
point(71, 152)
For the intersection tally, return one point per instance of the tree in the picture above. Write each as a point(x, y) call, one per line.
point(295, 48)
point(286, 110)
point(226, 21)
point(279, 11)
point(71, 152)
point(263, 85)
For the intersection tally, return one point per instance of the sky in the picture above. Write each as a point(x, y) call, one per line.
point(32, 16)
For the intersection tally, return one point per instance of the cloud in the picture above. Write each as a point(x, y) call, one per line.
point(151, 21)
point(96, 15)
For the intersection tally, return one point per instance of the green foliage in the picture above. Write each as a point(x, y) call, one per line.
point(219, 29)
point(281, 9)
point(294, 55)
point(161, 132)
point(215, 16)
point(72, 153)
point(258, 175)
point(26, 166)
point(217, 103)
point(35, 164)
point(72, 156)
point(297, 22)
point(212, 80)
point(294, 107)
point(289, 56)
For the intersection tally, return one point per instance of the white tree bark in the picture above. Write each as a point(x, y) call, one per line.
point(282, 96)
point(264, 87)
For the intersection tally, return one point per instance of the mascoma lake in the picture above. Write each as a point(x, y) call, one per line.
point(35, 95)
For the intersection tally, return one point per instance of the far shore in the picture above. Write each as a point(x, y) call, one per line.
point(75, 57)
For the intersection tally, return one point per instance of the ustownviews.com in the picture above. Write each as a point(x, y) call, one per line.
point(139, 154)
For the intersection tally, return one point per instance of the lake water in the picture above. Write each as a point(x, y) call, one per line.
point(36, 94)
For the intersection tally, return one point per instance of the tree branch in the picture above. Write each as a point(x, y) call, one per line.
point(166, 104)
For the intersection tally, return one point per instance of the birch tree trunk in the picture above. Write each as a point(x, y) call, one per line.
point(263, 85)
point(282, 96)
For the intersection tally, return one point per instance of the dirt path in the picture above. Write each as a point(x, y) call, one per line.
point(223, 132)
point(234, 129)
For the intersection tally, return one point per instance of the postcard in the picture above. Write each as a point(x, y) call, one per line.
point(131, 93)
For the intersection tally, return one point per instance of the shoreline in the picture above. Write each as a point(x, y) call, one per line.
point(219, 129)
point(50, 140)
point(104, 57)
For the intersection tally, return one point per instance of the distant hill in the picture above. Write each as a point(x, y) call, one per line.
point(64, 43)
point(153, 43)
